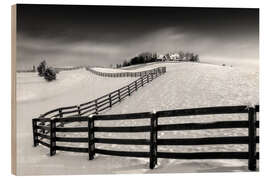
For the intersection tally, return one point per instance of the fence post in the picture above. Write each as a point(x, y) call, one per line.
point(136, 85)
point(142, 80)
point(91, 137)
point(110, 100)
point(61, 116)
point(147, 78)
point(96, 104)
point(252, 139)
point(119, 97)
point(52, 137)
point(153, 140)
point(79, 110)
point(35, 137)
point(128, 90)
point(60, 113)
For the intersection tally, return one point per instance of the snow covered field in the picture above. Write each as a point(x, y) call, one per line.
point(35, 96)
point(184, 85)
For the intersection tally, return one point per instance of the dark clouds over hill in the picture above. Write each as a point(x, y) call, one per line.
point(103, 35)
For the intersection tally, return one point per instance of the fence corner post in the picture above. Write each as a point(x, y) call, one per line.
point(153, 140)
point(91, 137)
point(52, 137)
point(35, 137)
point(252, 139)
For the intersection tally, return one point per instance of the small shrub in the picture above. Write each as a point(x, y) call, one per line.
point(50, 74)
point(41, 68)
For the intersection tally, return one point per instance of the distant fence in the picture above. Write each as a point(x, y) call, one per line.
point(159, 70)
point(26, 71)
point(107, 101)
point(251, 124)
point(58, 69)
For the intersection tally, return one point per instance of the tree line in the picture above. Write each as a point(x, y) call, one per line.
point(147, 57)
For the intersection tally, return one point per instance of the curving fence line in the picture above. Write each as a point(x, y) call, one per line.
point(153, 142)
point(159, 70)
point(107, 101)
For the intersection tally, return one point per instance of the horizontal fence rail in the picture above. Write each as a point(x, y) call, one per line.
point(251, 124)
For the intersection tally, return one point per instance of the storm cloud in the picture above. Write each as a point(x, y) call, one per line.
point(104, 35)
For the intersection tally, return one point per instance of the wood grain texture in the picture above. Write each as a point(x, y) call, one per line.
point(13, 90)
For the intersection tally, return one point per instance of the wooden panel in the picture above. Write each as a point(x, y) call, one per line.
point(87, 103)
point(126, 129)
point(123, 153)
point(89, 110)
point(204, 111)
point(87, 107)
point(43, 135)
point(72, 149)
point(124, 116)
point(43, 143)
point(43, 127)
point(76, 129)
point(123, 141)
point(107, 107)
point(206, 141)
point(67, 139)
point(199, 126)
point(204, 155)
point(42, 119)
point(72, 119)
point(70, 112)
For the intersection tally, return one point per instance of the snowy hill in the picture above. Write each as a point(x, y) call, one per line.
point(184, 85)
point(81, 84)
point(192, 85)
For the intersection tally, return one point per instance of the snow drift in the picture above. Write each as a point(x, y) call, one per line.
point(185, 85)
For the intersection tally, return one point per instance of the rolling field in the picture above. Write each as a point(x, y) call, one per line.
point(184, 85)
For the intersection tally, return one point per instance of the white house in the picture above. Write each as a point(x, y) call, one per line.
point(161, 57)
point(174, 56)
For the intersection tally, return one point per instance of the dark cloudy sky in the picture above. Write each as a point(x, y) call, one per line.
point(104, 35)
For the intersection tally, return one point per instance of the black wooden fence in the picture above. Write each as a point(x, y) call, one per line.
point(107, 101)
point(129, 74)
point(251, 124)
